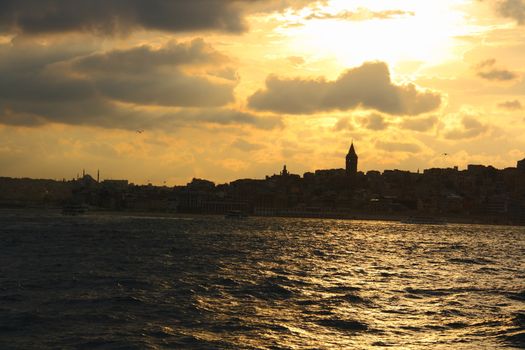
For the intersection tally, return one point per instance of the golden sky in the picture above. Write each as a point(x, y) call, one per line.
point(228, 89)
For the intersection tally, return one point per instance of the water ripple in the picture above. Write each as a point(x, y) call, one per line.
point(118, 282)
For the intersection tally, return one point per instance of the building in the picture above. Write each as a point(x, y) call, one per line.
point(351, 161)
point(521, 165)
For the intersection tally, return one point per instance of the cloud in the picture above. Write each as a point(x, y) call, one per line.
point(343, 124)
point(37, 73)
point(228, 73)
point(498, 74)
point(149, 76)
point(514, 9)
point(368, 86)
point(361, 14)
point(296, 60)
point(470, 128)
point(113, 116)
point(511, 105)
point(487, 70)
point(222, 116)
point(246, 146)
point(419, 124)
point(398, 146)
point(53, 84)
point(488, 63)
point(265, 6)
point(375, 122)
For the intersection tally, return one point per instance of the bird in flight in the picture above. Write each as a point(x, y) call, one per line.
point(140, 131)
point(445, 154)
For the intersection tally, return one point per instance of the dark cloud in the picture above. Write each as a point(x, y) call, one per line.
point(222, 117)
point(32, 80)
point(488, 63)
point(110, 17)
point(368, 86)
point(514, 9)
point(511, 105)
point(228, 73)
point(144, 59)
point(119, 16)
point(398, 146)
point(419, 124)
point(140, 76)
point(487, 70)
point(360, 14)
point(470, 128)
point(43, 84)
point(149, 76)
point(9, 117)
point(176, 90)
point(113, 116)
point(498, 74)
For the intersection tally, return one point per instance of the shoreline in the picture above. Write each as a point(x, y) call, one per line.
point(357, 216)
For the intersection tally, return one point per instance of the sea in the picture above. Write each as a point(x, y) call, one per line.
point(144, 282)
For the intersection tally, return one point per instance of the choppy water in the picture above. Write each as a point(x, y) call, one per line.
point(208, 283)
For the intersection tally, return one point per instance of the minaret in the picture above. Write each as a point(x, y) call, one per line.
point(98, 175)
point(351, 161)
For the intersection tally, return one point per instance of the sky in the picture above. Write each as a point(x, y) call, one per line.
point(162, 91)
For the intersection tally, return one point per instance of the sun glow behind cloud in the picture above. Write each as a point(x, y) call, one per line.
point(396, 31)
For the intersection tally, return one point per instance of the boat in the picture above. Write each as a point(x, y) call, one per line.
point(235, 214)
point(423, 220)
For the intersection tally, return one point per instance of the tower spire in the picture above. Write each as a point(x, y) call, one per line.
point(352, 149)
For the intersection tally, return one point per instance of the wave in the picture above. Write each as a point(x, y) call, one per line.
point(343, 325)
point(517, 296)
point(17, 321)
point(260, 284)
point(428, 292)
point(266, 290)
point(476, 261)
point(456, 325)
point(516, 339)
point(518, 320)
point(342, 289)
point(110, 301)
point(350, 298)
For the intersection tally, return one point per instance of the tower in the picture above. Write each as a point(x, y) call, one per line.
point(351, 161)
